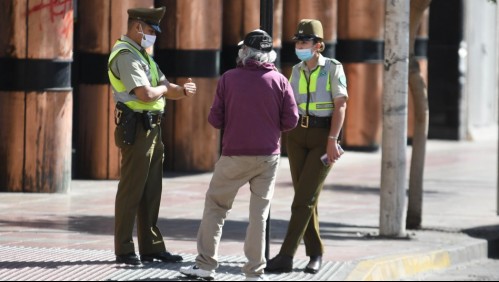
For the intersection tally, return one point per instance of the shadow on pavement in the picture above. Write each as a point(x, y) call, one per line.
point(186, 229)
point(489, 233)
point(49, 264)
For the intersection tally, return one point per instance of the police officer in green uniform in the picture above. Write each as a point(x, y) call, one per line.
point(140, 90)
point(319, 86)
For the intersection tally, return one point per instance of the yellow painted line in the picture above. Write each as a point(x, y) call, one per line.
point(396, 267)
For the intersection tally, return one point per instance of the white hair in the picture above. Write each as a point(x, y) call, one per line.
point(246, 53)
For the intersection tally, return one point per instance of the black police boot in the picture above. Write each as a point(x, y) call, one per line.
point(162, 256)
point(131, 259)
point(314, 265)
point(280, 264)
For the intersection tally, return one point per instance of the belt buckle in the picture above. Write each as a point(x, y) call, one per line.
point(304, 121)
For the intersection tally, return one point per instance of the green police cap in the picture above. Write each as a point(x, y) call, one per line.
point(309, 29)
point(151, 16)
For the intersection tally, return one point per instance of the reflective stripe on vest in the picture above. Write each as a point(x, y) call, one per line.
point(120, 93)
point(321, 99)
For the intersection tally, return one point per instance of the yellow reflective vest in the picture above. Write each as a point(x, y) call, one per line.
point(120, 92)
point(314, 90)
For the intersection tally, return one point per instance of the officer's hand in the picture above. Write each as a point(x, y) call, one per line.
point(189, 88)
point(334, 151)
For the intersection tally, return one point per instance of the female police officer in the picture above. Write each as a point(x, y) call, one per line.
point(319, 86)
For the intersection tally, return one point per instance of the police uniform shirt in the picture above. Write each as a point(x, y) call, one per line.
point(131, 70)
point(337, 78)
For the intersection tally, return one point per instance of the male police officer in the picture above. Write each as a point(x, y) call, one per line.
point(140, 89)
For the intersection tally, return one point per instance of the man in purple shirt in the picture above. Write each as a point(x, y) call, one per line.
point(254, 103)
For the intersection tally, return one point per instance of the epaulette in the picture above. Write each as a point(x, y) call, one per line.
point(124, 51)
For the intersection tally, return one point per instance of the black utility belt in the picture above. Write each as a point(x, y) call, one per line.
point(314, 122)
point(154, 117)
point(128, 119)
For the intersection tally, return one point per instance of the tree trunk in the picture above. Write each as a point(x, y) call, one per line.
point(421, 114)
point(393, 163)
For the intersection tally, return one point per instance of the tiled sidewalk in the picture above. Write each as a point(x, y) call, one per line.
point(70, 236)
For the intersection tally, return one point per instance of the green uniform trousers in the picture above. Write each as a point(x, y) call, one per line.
point(305, 146)
point(139, 192)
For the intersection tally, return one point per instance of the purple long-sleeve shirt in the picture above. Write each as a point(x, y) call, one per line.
point(253, 105)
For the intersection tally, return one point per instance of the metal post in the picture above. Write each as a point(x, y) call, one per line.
point(267, 15)
point(497, 74)
point(267, 24)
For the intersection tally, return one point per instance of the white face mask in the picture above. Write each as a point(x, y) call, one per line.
point(147, 39)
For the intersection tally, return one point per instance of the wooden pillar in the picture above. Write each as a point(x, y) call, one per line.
point(36, 102)
point(100, 23)
point(189, 46)
point(360, 49)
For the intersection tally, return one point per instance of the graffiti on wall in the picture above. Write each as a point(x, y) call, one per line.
point(60, 13)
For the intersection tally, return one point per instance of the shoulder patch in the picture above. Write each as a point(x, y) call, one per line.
point(124, 50)
point(343, 80)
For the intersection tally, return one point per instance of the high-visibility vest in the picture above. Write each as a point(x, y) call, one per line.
point(120, 92)
point(317, 86)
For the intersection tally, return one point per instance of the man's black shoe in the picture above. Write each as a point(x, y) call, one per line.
point(131, 259)
point(314, 265)
point(163, 256)
point(280, 264)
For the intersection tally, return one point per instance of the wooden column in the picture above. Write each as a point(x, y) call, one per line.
point(360, 49)
point(100, 23)
point(189, 46)
point(36, 102)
